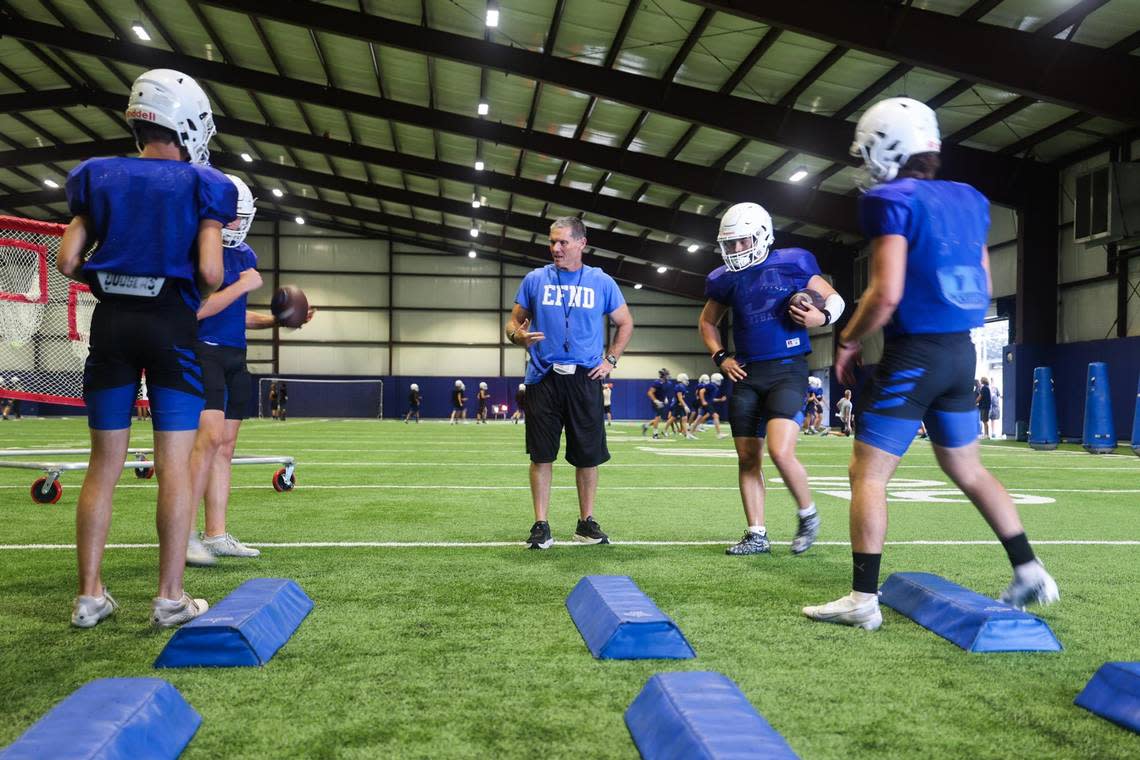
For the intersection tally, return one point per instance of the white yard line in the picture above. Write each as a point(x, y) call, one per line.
point(563, 544)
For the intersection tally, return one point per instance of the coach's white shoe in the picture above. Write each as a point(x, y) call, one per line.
point(1031, 584)
point(171, 613)
point(856, 609)
point(226, 545)
point(197, 555)
point(88, 611)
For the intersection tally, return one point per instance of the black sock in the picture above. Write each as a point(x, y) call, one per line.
point(865, 572)
point(1018, 549)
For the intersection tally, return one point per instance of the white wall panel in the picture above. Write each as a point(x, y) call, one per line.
point(333, 326)
point(646, 366)
point(1069, 185)
point(445, 327)
point(342, 255)
point(455, 292)
point(445, 264)
point(1003, 270)
point(1134, 300)
point(263, 247)
point(665, 315)
point(646, 296)
point(337, 289)
point(665, 340)
point(510, 290)
point(1087, 313)
point(334, 360)
point(258, 352)
point(1076, 261)
point(436, 362)
point(1003, 224)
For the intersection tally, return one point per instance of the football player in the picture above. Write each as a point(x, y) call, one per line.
point(679, 414)
point(156, 222)
point(770, 366)
point(458, 401)
point(660, 392)
point(413, 404)
point(520, 403)
point(482, 397)
point(929, 285)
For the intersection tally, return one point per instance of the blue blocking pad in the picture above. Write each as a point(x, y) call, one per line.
point(619, 622)
point(1113, 693)
point(245, 628)
point(112, 719)
point(700, 716)
point(964, 617)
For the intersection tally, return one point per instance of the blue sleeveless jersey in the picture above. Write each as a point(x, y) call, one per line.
point(144, 214)
point(758, 295)
point(227, 327)
point(945, 226)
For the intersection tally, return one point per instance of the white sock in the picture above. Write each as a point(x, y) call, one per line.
point(759, 530)
point(807, 511)
point(863, 596)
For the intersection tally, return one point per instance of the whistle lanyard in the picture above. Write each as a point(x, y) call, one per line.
point(567, 306)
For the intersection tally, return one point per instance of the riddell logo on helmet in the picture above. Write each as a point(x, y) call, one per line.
point(136, 113)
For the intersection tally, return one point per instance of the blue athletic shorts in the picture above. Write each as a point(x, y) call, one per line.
point(920, 377)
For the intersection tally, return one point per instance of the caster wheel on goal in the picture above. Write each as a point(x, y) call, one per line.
point(144, 473)
point(51, 496)
point(280, 484)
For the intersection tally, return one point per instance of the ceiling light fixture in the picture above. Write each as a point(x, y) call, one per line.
point(52, 184)
point(484, 108)
point(278, 192)
point(299, 219)
point(471, 254)
point(246, 157)
point(475, 204)
point(478, 166)
point(492, 14)
point(693, 248)
point(474, 232)
point(798, 174)
point(662, 270)
point(140, 31)
point(637, 286)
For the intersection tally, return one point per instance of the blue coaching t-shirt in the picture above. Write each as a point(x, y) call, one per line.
point(555, 299)
point(144, 213)
point(945, 226)
point(227, 327)
point(758, 295)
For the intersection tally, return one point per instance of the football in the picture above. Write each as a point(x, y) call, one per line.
point(807, 295)
point(290, 307)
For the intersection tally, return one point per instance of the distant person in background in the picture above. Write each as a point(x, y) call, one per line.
point(659, 392)
point(142, 402)
point(984, 400)
point(520, 403)
point(720, 402)
point(413, 404)
point(607, 394)
point(995, 411)
point(11, 406)
point(282, 400)
point(273, 399)
point(458, 400)
point(483, 396)
point(679, 414)
point(843, 408)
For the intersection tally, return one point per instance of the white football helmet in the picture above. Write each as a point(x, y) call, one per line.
point(245, 213)
point(717, 378)
point(522, 386)
point(889, 133)
point(745, 236)
point(482, 386)
point(459, 384)
point(173, 100)
point(415, 388)
point(814, 381)
point(704, 380)
point(683, 379)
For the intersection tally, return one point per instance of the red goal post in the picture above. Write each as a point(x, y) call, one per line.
point(44, 317)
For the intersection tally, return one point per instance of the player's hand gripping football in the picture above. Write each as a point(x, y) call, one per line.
point(804, 313)
point(527, 339)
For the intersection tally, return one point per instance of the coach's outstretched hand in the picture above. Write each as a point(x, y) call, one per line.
point(524, 338)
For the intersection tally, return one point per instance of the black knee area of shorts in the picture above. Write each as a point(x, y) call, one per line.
point(570, 403)
point(773, 389)
point(226, 380)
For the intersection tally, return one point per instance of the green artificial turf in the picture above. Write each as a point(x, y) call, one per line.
point(467, 651)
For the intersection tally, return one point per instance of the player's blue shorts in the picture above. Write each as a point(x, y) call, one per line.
point(661, 412)
point(128, 337)
point(774, 389)
point(927, 377)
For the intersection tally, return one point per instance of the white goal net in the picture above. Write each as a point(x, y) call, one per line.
point(44, 317)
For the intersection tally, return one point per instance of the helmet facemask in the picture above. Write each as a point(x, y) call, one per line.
point(741, 253)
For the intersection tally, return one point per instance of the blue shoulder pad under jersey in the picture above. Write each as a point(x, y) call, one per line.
point(945, 225)
point(758, 296)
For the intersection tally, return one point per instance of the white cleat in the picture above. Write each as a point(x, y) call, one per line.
point(197, 555)
point(847, 610)
point(226, 545)
point(171, 613)
point(1031, 584)
point(89, 611)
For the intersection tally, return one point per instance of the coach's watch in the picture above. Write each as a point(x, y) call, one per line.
point(612, 359)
